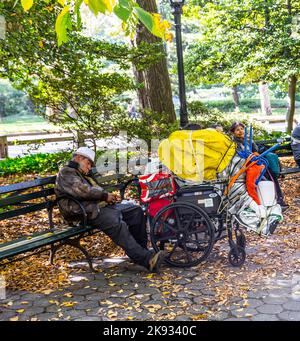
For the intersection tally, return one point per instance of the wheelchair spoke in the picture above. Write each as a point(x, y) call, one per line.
point(172, 228)
point(189, 258)
point(173, 250)
point(189, 223)
point(178, 222)
point(197, 241)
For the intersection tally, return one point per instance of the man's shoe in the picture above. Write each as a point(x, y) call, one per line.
point(273, 226)
point(284, 207)
point(283, 204)
point(156, 261)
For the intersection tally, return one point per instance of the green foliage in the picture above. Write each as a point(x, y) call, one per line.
point(14, 102)
point(246, 105)
point(81, 83)
point(126, 10)
point(207, 117)
point(151, 126)
point(36, 163)
point(242, 42)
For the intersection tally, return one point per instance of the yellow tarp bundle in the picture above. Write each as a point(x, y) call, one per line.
point(196, 155)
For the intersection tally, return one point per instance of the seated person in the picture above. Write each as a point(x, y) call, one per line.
point(218, 127)
point(192, 126)
point(295, 144)
point(238, 131)
point(124, 224)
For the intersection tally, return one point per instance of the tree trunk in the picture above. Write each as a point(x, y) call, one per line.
point(156, 93)
point(291, 103)
point(2, 107)
point(265, 99)
point(235, 96)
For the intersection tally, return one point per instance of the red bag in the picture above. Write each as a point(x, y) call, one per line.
point(158, 204)
point(156, 186)
point(252, 174)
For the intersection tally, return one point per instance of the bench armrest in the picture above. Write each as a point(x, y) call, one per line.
point(83, 211)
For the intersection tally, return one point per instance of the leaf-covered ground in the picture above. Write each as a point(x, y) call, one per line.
point(266, 258)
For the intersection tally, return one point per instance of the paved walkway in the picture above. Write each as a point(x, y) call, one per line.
point(125, 292)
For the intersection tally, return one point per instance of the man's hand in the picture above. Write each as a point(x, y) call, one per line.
point(111, 198)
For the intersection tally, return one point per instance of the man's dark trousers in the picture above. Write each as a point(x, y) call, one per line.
point(125, 224)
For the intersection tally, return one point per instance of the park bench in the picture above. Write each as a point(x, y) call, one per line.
point(37, 195)
point(283, 150)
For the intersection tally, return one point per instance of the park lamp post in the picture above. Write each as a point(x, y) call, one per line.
point(177, 11)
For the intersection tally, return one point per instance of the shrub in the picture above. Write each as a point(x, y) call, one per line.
point(151, 126)
point(206, 117)
point(36, 163)
point(246, 105)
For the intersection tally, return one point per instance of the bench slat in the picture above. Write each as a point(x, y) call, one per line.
point(24, 210)
point(283, 154)
point(28, 184)
point(26, 197)
point(290, 171)
point(38, 240)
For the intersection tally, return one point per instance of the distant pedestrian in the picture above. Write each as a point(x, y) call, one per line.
point(132, 112)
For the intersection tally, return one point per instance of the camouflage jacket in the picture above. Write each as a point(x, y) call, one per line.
point(71, 181)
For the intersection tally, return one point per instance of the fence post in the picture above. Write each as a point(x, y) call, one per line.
point(3, 147)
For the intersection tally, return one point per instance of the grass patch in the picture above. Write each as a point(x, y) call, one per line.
point(22, 124)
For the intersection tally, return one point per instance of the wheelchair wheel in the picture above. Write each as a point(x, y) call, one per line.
point(185, 232)
point(241, 240)
point(237, 256)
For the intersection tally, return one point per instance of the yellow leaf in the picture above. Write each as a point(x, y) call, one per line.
point(152, 307)
point(199, 317)
point(16, 318)
point(61, 2)
point(166, 293)
point(41, 44)
point(150, 276)
point(47, 292)
point(106, 302)
point(68, 304)
point(26, 4)
point(9, 304)
point(68, 294)
point(112, 314)
point(109, 4)
point(54, 302)
point(161, 28)
point(129, 317)
point(20, 311)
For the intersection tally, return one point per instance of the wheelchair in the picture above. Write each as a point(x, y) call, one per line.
point(186, 221)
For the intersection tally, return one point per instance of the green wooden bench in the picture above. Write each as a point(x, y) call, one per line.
point(283, 150)
point(38, 195)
